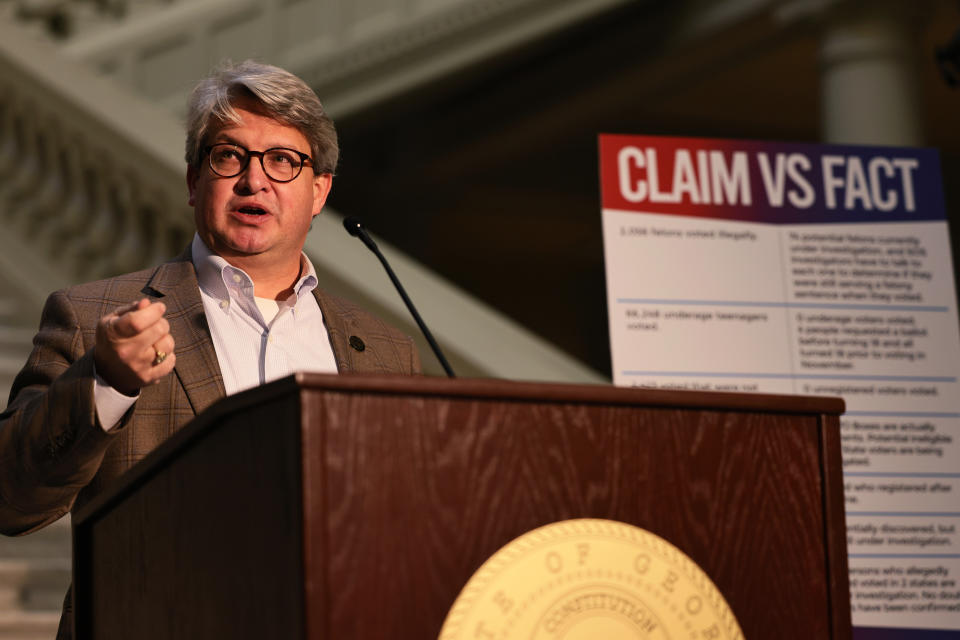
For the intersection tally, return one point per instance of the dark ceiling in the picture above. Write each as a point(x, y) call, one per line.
point(490, 177)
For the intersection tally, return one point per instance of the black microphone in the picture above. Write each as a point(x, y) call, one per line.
point(355, 227)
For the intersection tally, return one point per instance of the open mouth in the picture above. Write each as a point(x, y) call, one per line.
point(252, 211)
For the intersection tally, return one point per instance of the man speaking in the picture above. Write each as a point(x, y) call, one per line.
point(120, 365)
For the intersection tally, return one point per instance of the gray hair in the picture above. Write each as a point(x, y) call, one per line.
point(281, 96)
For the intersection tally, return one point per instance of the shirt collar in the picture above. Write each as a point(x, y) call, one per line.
point(214, 272)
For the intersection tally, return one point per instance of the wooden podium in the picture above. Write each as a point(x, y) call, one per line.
point(358, 507)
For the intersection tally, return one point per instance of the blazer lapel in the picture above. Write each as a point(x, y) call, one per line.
point(337, 330)
point(197, 368)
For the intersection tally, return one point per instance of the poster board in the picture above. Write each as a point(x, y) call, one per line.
point(812, 269)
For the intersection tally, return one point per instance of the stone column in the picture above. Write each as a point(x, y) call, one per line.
point(869, 65)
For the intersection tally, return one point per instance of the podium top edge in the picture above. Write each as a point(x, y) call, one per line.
point(482, 388)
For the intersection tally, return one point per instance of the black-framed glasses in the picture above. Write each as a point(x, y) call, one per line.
point(228, 159)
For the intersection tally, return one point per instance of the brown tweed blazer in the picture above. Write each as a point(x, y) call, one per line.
point(54, 455)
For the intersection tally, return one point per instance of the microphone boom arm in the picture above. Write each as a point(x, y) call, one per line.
point(355, 228)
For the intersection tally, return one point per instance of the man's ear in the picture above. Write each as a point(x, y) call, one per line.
point(192, 176)
point(321, 189)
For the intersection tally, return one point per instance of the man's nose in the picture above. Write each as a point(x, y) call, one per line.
point(252, 178)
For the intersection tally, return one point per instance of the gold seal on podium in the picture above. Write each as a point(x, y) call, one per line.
point(589, 579)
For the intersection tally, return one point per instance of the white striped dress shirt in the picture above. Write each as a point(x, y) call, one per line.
point(252, 349)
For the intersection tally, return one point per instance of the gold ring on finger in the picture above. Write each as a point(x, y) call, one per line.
point(161, 356)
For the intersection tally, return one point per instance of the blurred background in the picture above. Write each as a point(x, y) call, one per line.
point(468, 135)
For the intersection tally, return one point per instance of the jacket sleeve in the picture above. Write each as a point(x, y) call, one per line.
point(51, 443)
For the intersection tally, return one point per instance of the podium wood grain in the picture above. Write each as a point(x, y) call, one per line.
point(349, 507)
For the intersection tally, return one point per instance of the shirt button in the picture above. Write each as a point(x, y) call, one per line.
point(237, 278)
point(224, 304)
